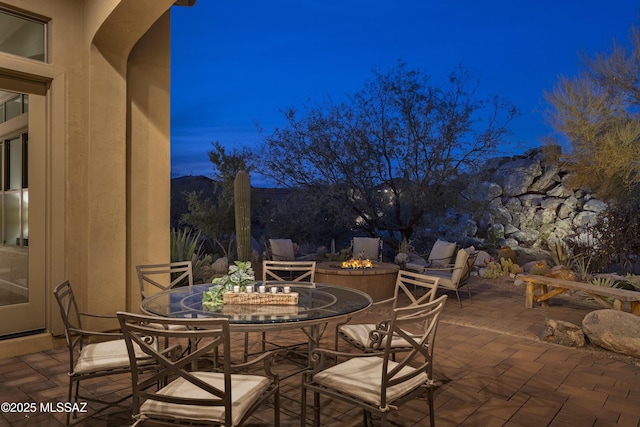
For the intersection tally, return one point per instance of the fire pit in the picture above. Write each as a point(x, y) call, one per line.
point(378, 281)
point(357, 263)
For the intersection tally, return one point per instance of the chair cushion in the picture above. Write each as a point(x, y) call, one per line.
point(460, 267)
point(441, 252)
point(359, 334)
point(415, 266)
point(445, 281)
point(103, 355)
point(366, 247)
point(361, 378)
point(245, 391)
point(282, 250)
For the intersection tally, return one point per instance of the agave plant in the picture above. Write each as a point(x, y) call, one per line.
point(633, 280)
point(186, 246)
point(582, 265)
point(560, 253)
point(608, 282)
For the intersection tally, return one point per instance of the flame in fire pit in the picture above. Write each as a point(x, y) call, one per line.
point(357, 263)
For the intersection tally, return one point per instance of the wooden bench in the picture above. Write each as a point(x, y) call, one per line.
point(598, 293)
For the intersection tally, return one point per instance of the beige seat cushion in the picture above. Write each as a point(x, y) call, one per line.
point(282, 250)
point(359, 333)
point(445, 281)
point(104, 355)
point(245, 391)
point(361, 378)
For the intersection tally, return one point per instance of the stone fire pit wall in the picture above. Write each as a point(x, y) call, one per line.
point(379, 282)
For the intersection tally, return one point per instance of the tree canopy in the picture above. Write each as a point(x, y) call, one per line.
point(598, 113)
point(391, 152)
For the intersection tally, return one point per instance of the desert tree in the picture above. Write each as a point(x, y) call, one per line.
point(598, 113)
point(391, 153)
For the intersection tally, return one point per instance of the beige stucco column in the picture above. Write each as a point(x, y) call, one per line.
point(116, 122)
point(149, 166)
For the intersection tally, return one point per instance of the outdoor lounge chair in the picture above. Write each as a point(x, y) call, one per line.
point(454, 276)
point(441, 254)
point(367, 248)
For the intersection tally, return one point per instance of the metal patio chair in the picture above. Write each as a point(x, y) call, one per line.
point(88, 358)
point(187, 387)
point(373, 381)
point(367, 337)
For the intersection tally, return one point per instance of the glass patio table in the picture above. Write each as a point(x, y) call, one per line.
point(316, 306)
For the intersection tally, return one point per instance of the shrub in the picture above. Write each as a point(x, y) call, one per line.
point(618, 237)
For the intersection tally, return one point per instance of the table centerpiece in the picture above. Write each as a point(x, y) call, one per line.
point(240, 274)
point(237, 287)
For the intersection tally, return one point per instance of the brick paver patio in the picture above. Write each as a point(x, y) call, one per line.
point(490, 367)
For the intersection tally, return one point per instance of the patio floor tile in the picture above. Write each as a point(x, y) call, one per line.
point(490, 369)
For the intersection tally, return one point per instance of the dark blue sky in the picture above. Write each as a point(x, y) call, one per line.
point(236, 64)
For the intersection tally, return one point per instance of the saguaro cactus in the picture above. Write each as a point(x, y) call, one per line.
point(242, 205)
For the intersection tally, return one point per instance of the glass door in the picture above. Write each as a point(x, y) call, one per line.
point(21, 304)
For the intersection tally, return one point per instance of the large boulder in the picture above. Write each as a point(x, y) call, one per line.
point(517, 176)
point(614, 330)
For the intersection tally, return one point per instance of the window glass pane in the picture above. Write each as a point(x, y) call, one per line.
point(2, 120)
point(15, 163)
point(12, 218)
point(25, 161)
point(13, 107)
point(22, 36)
point(25, 217)
point(25, 103)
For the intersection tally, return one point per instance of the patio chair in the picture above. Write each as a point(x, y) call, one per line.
point(367, 337)
point(441, 254)
point(187, 387)
point(300, 272)
point(367, 248)
point(88, 358)
point(297, 271)
point(281, 250)
point(373, 381)
point(454, 276)
point(164, 276)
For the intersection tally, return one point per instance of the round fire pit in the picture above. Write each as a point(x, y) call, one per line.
point(379, 282)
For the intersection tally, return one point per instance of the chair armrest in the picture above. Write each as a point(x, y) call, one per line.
point(381, 302)
point(265, 358)
point(85, 332)
point(438, 261)
point(99, 316)
point(447, 267)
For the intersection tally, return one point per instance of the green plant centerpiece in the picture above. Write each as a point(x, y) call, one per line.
point(240, 274)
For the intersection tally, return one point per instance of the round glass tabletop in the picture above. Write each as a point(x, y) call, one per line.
point(315, 304)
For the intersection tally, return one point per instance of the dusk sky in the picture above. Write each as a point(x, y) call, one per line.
point(237, 64)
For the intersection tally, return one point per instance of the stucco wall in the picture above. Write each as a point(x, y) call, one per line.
point(105, 179)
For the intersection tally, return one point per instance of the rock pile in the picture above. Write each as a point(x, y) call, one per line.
point(522, 201)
